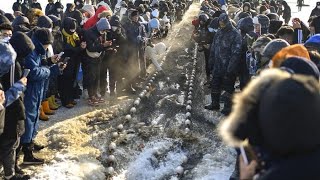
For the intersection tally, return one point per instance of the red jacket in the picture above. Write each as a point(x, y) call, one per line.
point(94, 19)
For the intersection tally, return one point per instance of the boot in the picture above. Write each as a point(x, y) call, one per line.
point(215, 104)
point(43, 116)
point(17, 168)
point(52, 104)
point(54, 101)
point(28, 158)
point(20, 177)
point(36, 146)
point(227, 104)
point(46, 108)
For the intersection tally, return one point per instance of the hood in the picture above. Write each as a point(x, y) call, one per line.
point(44, 22)
point(38, 46)
point(4, 19)
point(99, 10)
point(22, 44)
point(7, 58)
point(290, 51)
point(246, 25)
point(20, 20)
point(55, 20)
point(313, 41)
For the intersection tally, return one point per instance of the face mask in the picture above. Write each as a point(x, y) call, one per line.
point(59, 9)
point(5, 39)
point(210, 29)
point(50, 29)
point(114, 28)
point(78, 3)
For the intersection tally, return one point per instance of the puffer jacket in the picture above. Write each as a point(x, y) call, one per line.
point(225, 51)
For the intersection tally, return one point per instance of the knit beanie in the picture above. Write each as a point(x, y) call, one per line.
point(89, 9)
point(44, 36)
point(103, 24)
point(55, 20)
point(273, 47)
point(246, 25)
point(154, 23)
point(290, 51)
point(44, 22)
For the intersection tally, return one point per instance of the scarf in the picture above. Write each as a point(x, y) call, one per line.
point(71, 38)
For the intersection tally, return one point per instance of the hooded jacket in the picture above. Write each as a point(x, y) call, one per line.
point(225, 50)
point(94, 19)
point(21, 23)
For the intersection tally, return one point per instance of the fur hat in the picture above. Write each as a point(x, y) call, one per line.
point(44, 36)
point(104, 14)
point(271, 112)
point(290, 51)
point(273, 47)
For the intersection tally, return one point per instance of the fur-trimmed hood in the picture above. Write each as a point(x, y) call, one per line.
point(261, 114)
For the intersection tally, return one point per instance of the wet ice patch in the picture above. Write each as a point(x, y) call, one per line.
point(72, 168)
point(149, 167)
point(217, 166)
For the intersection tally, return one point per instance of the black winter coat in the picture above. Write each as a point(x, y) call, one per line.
point(295, 168)
point(93, 39)
point(225, 52)
point(15, 113)
point(315, 12)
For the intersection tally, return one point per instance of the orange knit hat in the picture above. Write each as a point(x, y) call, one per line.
point(290, 51)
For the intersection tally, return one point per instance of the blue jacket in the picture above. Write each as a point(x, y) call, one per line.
point(35, 87)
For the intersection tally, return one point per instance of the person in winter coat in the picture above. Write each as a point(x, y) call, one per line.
point(58, 10)
point(316, 10)
point(114, 59)
point(259, 116)
point(36, 5)
point(9, 133)
point(96, 45)
point(42, 38)
point(17, 6)
point(202, 36)
point(49, 8)
point(247, 32)
point(136, 35)
point(224, 58)
point(93, 20)
point(72, 49)
point(286, 12)
point(79, 4)
point(15, 113)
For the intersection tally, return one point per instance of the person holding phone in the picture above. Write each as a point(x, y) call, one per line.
point(11, 126)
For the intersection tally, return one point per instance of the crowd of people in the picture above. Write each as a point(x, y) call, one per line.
point(51, 54)
point(272, 120)
point(276, 64)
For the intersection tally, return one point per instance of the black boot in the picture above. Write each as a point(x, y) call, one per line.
point(215, 104)
point(28, 158)
point(37, 147)
point(17, 168)
point(20, 177)
point(227, 104)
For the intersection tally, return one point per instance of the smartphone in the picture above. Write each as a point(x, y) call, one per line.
point(244, 155)
point(26, 72)
point(60, 54)
point(66, 59)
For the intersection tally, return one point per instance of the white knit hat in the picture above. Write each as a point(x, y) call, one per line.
point(89, 8)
